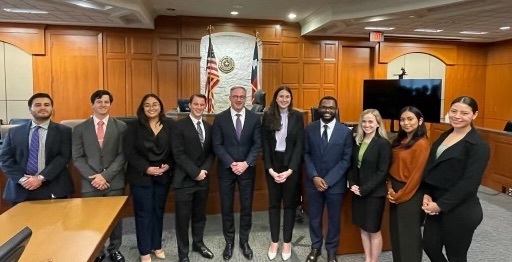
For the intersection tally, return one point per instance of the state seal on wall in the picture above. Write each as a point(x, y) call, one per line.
point(226, 65)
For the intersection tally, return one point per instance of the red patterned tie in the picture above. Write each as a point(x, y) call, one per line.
point(100, 132)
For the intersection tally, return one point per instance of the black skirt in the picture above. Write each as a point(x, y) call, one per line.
point(367, 212)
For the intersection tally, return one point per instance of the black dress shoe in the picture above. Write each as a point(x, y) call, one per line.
point(246, 250)
point(99, 258)
point(185, 259)
point(332, 258)
point(117, 257)
point(313, 255)
point(228, 252)
point(204, 251)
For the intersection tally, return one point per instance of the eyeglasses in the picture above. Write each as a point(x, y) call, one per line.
point(330, 108)
point(239, 97)
point(148, 106)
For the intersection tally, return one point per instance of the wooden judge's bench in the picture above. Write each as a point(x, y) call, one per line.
point(498, 173)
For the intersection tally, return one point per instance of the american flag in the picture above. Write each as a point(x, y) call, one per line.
point(254, 73)
point(212, 76)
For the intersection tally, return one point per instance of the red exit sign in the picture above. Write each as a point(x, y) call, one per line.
point(376, 36)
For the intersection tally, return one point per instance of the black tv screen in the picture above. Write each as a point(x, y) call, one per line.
point(183, 105)
point(389, 96)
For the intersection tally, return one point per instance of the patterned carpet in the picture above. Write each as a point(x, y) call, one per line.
point(492, 241)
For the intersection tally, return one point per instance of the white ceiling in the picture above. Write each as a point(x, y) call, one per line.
point(317, 17)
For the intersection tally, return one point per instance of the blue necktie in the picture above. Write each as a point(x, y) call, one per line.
point(33, 152)
point(324, 138)
point(238, 126)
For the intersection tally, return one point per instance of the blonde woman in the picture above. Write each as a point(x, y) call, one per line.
point(371, 158)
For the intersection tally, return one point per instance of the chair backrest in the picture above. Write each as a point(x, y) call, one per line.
point(183, 105)
point(256, 108)
point(4, 129)
point(72, 122)
point(259, 101)
point(508, 126)
point(12, 250)
point(18, 121)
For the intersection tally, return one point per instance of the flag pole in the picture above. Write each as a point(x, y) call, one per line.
point(254, 69)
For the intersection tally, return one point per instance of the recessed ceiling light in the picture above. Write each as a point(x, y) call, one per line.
point(237, 6)
point(473, 32)
point(505, 27)
point(376, 19)
point(378, 28)
point(27, 11)
point(234, 12)
point(90, 5)
point(426, 30)
point(292, 16)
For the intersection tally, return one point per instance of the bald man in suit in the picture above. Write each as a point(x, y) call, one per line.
point(98, 156)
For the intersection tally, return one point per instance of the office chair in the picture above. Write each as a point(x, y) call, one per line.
point(508, 126)
point(19, 121)
point(12, 250)
point(259, 101)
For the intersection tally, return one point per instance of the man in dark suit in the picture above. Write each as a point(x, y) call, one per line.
point(236, 141)
point(327, 152)
point(192, 151)
point(98, 156)
point(35, 155)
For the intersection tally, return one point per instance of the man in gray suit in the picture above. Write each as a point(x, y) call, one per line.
point(98, 156)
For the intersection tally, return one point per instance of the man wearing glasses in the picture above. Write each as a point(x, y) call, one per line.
point(327, 153)
point(236, 141)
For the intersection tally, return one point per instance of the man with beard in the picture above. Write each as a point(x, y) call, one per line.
point(35, 155)
point(327, 153)
point(192, 151)
point(98, 156)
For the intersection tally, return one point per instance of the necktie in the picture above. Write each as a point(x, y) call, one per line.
point(238, 126)
point(200, 132)
point(100, 132)
point(33, 152)
point(324, 138)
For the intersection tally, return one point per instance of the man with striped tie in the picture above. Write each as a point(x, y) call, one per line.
point(35, 155)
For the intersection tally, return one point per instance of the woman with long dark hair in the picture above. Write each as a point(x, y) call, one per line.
point(147, 147)
point(282, 142)
point(409, 154)
point(452, 176)
point(371, 157)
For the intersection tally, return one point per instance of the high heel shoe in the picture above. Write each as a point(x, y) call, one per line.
point(160, 254)
point(286, 256)
point(145, 258)
point(272, 255)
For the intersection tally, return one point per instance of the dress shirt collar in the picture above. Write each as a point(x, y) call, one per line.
point(44, 125)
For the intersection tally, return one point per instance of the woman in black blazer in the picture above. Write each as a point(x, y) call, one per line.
point(452, 176)
point(282, 142)
point(367, 180)
point(147, 147)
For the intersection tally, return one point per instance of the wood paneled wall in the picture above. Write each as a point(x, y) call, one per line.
point(70, 62)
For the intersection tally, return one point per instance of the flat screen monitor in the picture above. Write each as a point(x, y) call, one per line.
point(12, 250)
point(183, 105)
point(389, 96)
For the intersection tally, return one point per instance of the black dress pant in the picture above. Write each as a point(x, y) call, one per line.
point(285, 192)
point(453, 231)
point(116, 236)
point(245, 182)
point(405, 220)
point(149, 207)
point(190, 204)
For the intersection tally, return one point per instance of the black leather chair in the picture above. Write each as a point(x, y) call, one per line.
point(11, 250)
point(508, 126)
point(127, 119)
point(19, 121)
point(259, 101)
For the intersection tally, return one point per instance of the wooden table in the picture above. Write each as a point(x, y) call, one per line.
point(63, 229)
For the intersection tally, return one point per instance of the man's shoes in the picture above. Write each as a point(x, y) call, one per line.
point(332, 258)
point(313, 255)
point(228, 251)
point(100, 258)
point(116, 257)
point(184, 259)
point(203, 250)
point(246, 250)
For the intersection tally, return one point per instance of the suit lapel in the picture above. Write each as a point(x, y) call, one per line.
point(24, 140)
point(90, 134)
point(109, 133)
point(369, 148)
point(50, 138)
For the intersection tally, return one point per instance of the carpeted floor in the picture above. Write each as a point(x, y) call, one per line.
point(492, 241)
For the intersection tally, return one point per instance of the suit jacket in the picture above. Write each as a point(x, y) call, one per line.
point(294, 142)
point(14, 157)
point(371, 176)
point(331, 164)
point(455, 175)
point(228, 148)
point(135, 141)
point(189, 155)
point(89, 158)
